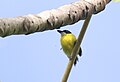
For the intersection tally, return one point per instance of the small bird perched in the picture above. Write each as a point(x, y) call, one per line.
point(68, 41)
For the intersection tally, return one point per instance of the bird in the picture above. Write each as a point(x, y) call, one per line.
point(68, 41)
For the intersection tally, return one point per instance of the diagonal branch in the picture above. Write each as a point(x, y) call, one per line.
point(51, 19)
point(75, 49)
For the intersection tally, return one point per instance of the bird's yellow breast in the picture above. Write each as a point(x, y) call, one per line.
point(68, 42)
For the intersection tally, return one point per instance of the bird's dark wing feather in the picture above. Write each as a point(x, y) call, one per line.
point(80, 50)
point(80, 54)
point(75, 62)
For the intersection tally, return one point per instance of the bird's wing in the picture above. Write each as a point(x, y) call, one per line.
point(80, 50)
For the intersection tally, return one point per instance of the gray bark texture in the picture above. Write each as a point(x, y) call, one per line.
point(51, 19)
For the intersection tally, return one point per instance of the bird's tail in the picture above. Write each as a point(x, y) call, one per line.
point(80, 54)
point(76, 60)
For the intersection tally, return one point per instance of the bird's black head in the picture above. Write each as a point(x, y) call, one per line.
point(64, 31)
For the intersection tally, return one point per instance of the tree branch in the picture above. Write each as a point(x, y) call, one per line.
point(75, 49)
point(51, 19)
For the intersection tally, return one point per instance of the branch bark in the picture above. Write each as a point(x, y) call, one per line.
point(51, 19)
point(75, 49)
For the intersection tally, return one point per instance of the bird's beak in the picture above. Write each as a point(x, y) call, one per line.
point(60, 31)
